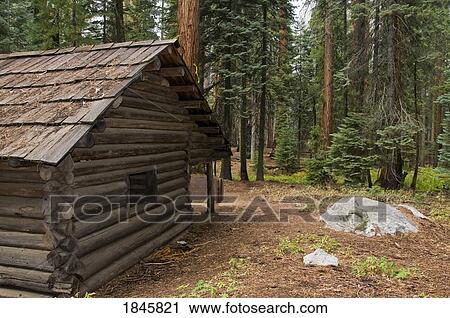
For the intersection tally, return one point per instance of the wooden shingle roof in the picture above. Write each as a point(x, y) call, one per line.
point(50, 99)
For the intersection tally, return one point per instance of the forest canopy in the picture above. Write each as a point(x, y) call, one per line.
point(360, 92)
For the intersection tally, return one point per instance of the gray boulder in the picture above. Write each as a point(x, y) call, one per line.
point(366, 217)
point(320, 258)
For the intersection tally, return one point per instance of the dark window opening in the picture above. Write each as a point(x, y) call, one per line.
point(143, 184)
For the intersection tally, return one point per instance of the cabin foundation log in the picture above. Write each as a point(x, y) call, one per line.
point(133, 257)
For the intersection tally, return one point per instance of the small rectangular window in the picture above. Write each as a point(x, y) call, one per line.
point(144, 184)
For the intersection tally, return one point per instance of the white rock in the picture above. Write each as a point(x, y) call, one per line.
point(320, 258)
point(414, 211)
point(366, 217)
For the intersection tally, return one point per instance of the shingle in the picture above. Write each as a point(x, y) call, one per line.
point(50, 99)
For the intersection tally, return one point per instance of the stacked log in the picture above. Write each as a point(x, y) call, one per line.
point(148, 132)
point(25, 239)
point(59, 222)
point(53, 250)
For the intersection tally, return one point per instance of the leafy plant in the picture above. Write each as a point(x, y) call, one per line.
point(237, 263)
point(296, 178)
point(222, 285)
point(327, 243)
point(431, 180)
point(441, 214)
point(86, 295)
point(288, 246)
point(202, 287)
point(375, 266)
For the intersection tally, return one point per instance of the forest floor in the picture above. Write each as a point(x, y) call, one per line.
point(265, 259)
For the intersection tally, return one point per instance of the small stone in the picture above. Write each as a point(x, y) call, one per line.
point(320, 258)
point(184, 245)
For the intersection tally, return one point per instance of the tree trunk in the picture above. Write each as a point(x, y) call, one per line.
point(392, 174)
point(360, 56)
point(189, 33)
point(119, 31)
point(393, 69)
point(262, 111)
point(227, 116)
point(271, 126)
point(314, 111)
point(438, 112)
point(274, 120)
point(56, 40)
point(327, 111)
point(376, 52)
point(202, 69)
point(244, 132)
point(75, 32)
point(345, 33)
point(423, 137)
point(254, 137)
point(418, 135)
point(299, 126)
point(284, 33)
point(369, 179)
point(162, 19)
point(105, 21)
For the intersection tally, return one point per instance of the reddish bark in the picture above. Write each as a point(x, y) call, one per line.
point(327, 111)
point(189, 32)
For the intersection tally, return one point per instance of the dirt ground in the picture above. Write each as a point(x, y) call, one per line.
point(244, 259)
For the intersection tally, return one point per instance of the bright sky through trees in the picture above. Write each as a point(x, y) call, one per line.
point(303, 10)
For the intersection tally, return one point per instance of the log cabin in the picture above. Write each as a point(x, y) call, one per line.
point(104, 122)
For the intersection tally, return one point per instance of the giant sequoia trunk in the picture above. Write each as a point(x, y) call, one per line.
point(327, 111)
point(189, 34)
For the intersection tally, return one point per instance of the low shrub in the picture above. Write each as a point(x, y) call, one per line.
point(288, 246)
point(441, 215)
point(380, 266)
point(430, 180)
point(317, 171)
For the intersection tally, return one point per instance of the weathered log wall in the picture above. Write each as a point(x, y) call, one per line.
point(52, 250)
point(149, 131)
point(26, 237)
